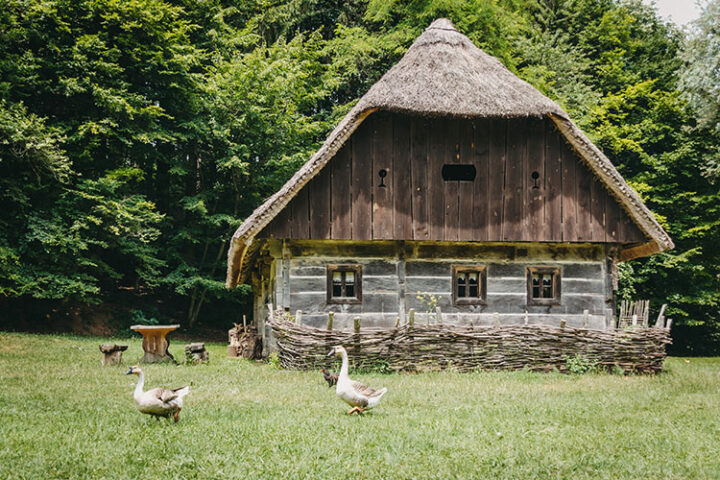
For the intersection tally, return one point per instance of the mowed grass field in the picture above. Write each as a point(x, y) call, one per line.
point(63, 415)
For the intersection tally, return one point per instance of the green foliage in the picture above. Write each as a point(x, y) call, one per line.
point(579, 364)
point(274, 361)
point(430, 302)
point(135, 136)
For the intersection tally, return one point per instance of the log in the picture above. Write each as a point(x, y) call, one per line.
point(196, 353)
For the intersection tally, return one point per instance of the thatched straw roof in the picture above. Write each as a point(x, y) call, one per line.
point(445, 74)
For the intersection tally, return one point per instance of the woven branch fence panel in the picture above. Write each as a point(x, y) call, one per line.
point(466, 348)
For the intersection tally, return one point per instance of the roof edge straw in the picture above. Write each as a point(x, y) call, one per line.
point(618, 187)
point(444, 74)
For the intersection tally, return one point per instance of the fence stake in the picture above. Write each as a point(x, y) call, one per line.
point(357, 324)
point(411, 317)
point(331, 316)
point(298, 317)
point(661, 316)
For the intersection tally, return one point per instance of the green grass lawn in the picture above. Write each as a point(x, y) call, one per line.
point(63, 415)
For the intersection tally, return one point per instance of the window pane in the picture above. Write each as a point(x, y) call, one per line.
point(461, 291)
point(547, 287)
point(349, 290)
point(536, 292)
point(337, 290)
point(337, 278)
point(461, 279)
point(473, 278)
point(474, 291)
point(349, 277)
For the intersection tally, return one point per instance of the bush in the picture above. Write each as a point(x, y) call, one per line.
point(579, 364)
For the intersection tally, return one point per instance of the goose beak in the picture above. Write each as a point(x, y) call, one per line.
point(332, 352)
point(129, 372)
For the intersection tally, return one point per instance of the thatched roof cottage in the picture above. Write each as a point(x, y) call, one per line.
point(451, 177)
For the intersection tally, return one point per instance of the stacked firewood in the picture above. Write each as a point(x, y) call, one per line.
point(465, 348)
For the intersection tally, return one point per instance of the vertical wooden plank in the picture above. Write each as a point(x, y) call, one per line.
point(466, 190)
point(496, 177)
point(383, 188)
point(402, 175)
point(553, 223)
point(623, 224)
point(584, 201)
point(436, 159)
point(597, 211)
point(280, 225)
point(319, 198)
point(450, 188)
point(513, 220)
point(341, 193)
point(480, 203)
point(612, 217)
point(536, 193)
point(569, 193)
point(300, 215)
point(630, 233)
point(419, 160)
point(362, 177)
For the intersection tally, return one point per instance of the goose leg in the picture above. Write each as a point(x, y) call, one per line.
point(353, 410)
point(176, 414)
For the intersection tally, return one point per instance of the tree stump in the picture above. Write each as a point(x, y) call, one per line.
point(196, 353)
point(112, 354)
point(244, 342)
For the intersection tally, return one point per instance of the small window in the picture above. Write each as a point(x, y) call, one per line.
point(458, 172)
point(543, 285)
point(469, 285)
point(344, 284)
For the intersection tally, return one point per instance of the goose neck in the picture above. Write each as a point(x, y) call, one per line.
point(140, 384)
point(345, 367)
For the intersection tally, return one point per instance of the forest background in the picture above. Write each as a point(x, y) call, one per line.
point(136, 135)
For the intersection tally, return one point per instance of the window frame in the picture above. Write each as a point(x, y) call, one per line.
point(357, 270)
point(556, 273)
point(482, 285)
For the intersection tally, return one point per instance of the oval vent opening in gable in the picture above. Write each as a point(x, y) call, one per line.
point(458, 173)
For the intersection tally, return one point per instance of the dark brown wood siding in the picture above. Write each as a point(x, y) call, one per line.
point(529, 186)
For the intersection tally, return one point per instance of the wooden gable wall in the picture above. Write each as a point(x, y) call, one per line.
point(345, 200)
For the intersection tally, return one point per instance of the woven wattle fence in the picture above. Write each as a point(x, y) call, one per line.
point(464, 348)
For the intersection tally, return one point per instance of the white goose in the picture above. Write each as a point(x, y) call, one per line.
point(359, 396)
point(160, 402)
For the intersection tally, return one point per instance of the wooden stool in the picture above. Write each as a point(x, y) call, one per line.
point(112, 354)
point(155, 345)
point(196, 353)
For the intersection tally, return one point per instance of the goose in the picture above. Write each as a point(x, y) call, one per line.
point(159, 402)
point(359, 396)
